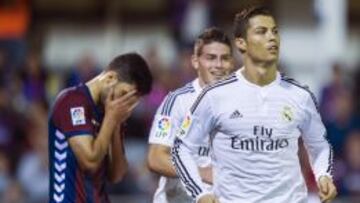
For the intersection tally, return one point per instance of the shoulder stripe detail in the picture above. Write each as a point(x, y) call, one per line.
point(304, 87)
point(330, 168)
point(170, 96)
point(210, 87)
point(170, 99)
point(183, 173)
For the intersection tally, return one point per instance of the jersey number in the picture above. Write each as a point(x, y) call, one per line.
point(203, 151)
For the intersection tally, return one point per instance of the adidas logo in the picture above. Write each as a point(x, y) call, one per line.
point(236, 114)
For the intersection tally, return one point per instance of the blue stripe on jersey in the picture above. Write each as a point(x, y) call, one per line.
point(184, 175)
point(78, 133)
point(51, 159)
point(170, 99)
point(232, 78)
point(89, 190)
point(60, 160)
point(331, 154)
point(304, 87)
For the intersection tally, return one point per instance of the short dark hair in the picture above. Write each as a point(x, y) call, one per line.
point(241, 21)
point(208, 36)
point(133, 69)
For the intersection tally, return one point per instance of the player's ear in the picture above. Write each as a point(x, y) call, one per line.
point(195, 61)
point(240, 43)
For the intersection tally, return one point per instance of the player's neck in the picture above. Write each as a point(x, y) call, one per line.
point(201, 82)
point(94, 88)
point(259, 74)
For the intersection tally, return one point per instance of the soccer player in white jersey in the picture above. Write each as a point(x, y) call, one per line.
point(254, 119)
point(212, 60)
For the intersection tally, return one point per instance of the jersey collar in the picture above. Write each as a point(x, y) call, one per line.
point(241, 77)
point(196, 85)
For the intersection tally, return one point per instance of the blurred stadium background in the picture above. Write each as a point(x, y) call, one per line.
point(47, 45)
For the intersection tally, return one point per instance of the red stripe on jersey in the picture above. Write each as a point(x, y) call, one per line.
point(80, 188)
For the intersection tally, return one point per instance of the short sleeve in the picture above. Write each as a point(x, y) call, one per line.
point(72, 115)
point(166, 122)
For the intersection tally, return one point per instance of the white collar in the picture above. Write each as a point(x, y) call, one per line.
point(196, 85)
point(241, 77)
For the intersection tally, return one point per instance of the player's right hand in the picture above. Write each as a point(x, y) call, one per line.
point(327, 189)
point(119, 108)
point(209, 198)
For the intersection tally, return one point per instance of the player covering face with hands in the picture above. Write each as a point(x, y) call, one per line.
point(86, 147)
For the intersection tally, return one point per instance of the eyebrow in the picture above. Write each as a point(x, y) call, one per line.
point(263, 27)
point(210, 54)
point(218, 55)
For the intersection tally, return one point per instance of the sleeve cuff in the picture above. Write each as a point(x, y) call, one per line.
point(78, 133)
point(160, 143)
point(201, 195)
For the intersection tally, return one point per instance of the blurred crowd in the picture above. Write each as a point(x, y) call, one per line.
point(27, 89)
point(340, 108)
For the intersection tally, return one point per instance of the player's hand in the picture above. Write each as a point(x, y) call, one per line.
point(206, 174)
point(209, 198)
point(119, 108)
point(327, 189)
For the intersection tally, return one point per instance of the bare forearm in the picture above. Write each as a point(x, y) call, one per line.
point(166, 168)
point(100, 145)
point(159, 161)
point(117, 164)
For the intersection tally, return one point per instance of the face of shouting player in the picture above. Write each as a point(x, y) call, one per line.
point(213, 63)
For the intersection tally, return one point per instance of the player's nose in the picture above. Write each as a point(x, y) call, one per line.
point(219, 64)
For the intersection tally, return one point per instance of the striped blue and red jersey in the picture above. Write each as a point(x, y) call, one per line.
point(74, 113)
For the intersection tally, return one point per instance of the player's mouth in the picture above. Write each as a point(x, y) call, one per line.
point(273, 48)
point(218, 74)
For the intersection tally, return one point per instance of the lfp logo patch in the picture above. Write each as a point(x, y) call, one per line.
point(185, 126)
point(163, 126)
point(78, 116)
point(186, 123)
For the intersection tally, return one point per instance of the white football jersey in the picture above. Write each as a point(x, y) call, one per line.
point(166, 122)
point(254, 135)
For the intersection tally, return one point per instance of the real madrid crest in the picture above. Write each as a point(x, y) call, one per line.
point(287, 114)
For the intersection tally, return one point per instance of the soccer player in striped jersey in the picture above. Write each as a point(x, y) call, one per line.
point(85, 140)
point(212, 60)
point(254, 119)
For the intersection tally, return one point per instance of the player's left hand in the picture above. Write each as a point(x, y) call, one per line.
point(327, 189)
